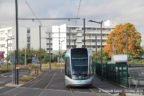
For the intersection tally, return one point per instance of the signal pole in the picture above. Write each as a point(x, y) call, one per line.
point(84, 30)
point(69, 38)
point(40, 44)
point(49, 52)
point(101, 52)
point(101, 22)
point(17, 46)
point(59, 44)
point(96, 46)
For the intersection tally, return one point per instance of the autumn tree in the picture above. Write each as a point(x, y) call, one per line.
point(116, 41)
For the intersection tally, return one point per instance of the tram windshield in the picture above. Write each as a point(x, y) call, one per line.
point(80, 66)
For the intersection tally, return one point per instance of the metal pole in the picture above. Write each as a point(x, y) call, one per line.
point(74, 43)
point(127, 45)
point(96, 46)
point(17, 46)
point(59, 45)
point(40, 44)
point(7, 54)
point(25, 58)
point(69, 38)
point(127, 56)
point(49, 53)
point(84, 30)
point(61, 56)
point(101, 50)
point(90, 42)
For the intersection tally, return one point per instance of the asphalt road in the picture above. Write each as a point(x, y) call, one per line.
point(51, 84)
point(6, 78)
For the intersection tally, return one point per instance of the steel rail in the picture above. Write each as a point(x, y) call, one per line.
point(51, 79)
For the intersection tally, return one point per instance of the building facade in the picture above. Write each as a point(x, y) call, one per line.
point(28, 38)
point(6, 40)
point(73, 37)
point(56, 40)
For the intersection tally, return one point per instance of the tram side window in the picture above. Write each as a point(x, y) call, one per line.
point(68, 66)
point(91, 66)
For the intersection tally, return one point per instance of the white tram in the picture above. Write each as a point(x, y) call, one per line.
point(78, 67)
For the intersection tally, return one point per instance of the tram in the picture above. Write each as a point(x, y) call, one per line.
point(78, 67)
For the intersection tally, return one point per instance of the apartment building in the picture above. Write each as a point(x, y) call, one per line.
point(73, 37)
point(6, 40)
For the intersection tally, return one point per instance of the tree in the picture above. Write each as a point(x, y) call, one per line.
point(118, 37)
point(104, 54)
point(29, 54)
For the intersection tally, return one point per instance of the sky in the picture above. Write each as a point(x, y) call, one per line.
point(118, 11)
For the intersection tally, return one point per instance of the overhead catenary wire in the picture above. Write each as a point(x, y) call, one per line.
point(27, 3)
point(72, 8)
point(78, 11)
point(40, 25)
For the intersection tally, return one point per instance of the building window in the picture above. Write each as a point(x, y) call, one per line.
point(49, 48)
point(2, 39)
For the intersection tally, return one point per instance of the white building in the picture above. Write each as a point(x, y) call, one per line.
point(72, 36)
point(6, 40)
point(59, 38)
point(75, 35)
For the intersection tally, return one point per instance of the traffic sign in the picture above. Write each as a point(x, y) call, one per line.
point(12, 59)
point(17, 66)
point(33, 60)
point(1, 58)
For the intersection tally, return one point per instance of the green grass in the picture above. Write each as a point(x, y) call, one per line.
point(4, 69)
point(136, 61)
point(26, 78)
point(54, 65)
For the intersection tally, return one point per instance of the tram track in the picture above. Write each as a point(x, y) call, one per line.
point(49, 82)
point(91, 90)
point(36, 82)
point(30, 86)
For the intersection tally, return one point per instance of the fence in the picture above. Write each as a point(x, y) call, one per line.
point(114, 72)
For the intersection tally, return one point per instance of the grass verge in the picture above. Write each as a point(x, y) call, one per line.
point(26, 78)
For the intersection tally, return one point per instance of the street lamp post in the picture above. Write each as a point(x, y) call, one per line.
point(101, 22)
point(40, 44)
point(61, 55)
point(59, 44)
point(49, 52)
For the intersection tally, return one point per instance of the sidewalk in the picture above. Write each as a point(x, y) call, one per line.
point(106, 85)
point(109, 87)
